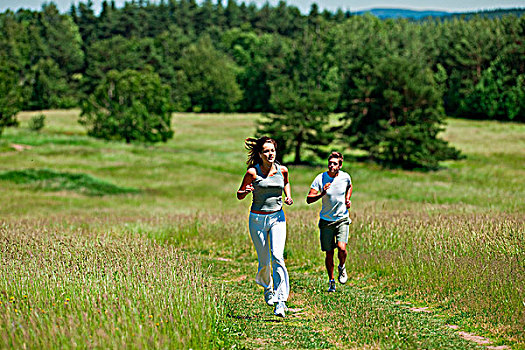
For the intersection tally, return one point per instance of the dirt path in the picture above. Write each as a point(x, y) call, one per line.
point(352, 318)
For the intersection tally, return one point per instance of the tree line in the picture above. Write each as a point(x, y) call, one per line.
point(389, 80)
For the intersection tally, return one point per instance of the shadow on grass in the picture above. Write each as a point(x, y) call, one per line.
point(49, 180)
point(240, 317)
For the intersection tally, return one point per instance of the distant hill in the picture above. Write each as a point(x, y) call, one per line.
point(403, 13)
point(386, 13)
point(492, 13)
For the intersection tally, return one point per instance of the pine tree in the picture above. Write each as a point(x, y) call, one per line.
point(396, 113)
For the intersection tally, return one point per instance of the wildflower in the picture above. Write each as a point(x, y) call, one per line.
point(150, 316)
point(157, 324)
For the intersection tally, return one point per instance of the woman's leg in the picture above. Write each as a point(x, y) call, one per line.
point(280, 274)
point(259, 234)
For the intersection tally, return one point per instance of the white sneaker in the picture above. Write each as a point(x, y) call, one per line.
point(331, 287)
point(343, 277)
point(268, 296)
point(280, 309)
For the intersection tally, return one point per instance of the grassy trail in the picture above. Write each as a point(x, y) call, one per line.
point(356, 316)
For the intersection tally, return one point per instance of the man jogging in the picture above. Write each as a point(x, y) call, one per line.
point(335, 188)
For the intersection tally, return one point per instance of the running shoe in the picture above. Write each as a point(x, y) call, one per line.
point(331, 288)
point(343, 277)
point(268, 296)
point(280, 308)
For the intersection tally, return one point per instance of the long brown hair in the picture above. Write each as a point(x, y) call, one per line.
point(254, 147)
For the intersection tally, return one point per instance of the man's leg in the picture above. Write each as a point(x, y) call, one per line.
point(341, 253)
point(329, 263)
point(342, 238)
point(328, 246)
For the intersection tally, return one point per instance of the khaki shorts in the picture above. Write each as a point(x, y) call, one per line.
point(332, 232)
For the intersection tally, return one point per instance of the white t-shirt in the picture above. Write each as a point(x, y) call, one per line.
point(334, 206)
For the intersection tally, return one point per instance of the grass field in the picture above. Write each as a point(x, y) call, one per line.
point(109, 245)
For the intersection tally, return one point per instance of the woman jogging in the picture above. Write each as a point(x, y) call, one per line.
point(267, 180)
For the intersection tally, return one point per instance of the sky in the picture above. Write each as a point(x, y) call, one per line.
point(304, 5)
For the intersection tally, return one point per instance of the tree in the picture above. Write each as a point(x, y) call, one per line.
point(21, 47)
point(10, 95)
point(303, 97)
point(170, 45)
point(208, 77)
point(261, 59)
point(396, 114)
point(62, 39)
point(86, 21)
point(233, 14)
point(107, 23)
point(468, 50)
point(119, 53)
point(498, 94)
point(498, 89)
point(49, 87)
point(130, 105)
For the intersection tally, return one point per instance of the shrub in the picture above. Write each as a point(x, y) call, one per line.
point(37, 122)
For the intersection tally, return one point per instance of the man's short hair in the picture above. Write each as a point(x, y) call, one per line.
point(336, 155)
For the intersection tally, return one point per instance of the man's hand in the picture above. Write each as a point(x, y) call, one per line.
point(288, 200)
point(326, 187)
point(348, 204)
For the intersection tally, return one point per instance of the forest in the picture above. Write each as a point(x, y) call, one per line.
point(274, 60)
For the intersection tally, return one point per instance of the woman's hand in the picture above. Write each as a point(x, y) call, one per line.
point(246, 185)
point(249, 188)
point(243, 193)
point(288, 200)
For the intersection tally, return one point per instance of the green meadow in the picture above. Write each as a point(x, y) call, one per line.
point(113, 245)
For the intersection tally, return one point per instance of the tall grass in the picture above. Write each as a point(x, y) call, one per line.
point(452, 239)
point(90, 288)
point(472, 264)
